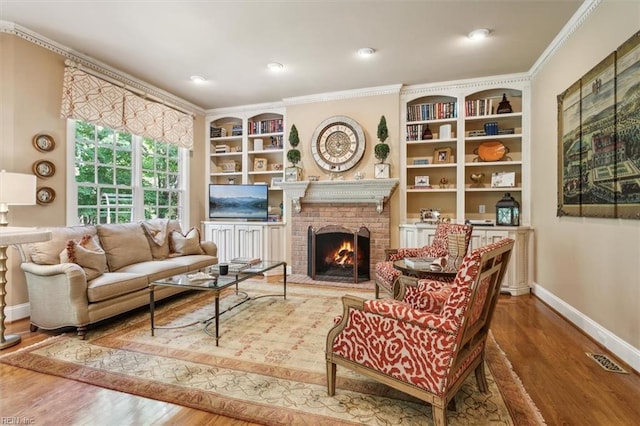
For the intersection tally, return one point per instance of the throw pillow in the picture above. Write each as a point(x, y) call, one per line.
point(183, 245)
point(125, 244)
point(432, 301)
point(88, 254)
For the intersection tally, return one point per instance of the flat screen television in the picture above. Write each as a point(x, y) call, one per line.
point(239, 202)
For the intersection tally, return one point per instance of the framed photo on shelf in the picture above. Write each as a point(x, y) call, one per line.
point(503, 180)
point(442, 155)
point(276, 181)
point(422, 181)
point(259, 164)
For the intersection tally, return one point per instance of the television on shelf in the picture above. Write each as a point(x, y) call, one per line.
point(239, 202)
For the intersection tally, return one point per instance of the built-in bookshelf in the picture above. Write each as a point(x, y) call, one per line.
point(454, 142)
point(247, 147)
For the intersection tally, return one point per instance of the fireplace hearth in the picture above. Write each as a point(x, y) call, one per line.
point(336, 253)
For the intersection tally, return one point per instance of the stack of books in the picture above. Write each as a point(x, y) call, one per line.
point(217, 132)
point(236, 130)
point(419, 262)
point(245, 260)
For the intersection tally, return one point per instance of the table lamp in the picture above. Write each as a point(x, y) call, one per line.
point(15, 189)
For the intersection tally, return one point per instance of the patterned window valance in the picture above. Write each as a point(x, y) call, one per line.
point(92, 99)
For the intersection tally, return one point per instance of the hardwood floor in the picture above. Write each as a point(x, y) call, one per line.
point(547, 352)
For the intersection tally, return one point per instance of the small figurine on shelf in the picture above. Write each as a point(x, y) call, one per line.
point(505, 106)
point(444, 182)
point(426, 133)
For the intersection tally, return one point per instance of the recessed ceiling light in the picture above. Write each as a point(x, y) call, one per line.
point(479, 34)
point(198, 79)
point(366, 51)
point(275, 66)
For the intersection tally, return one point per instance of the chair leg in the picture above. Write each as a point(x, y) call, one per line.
point(439, 415)
point(481, 377)
point(377, 290)
point(331, 378)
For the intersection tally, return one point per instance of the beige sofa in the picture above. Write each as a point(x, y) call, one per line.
point(86, 274)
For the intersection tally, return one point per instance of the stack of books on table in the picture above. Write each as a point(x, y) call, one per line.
point(245, 260)
point(419, 262)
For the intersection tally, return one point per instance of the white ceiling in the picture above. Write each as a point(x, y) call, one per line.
point(164, 42)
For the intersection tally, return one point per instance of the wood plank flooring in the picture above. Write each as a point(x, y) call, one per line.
point(546, 351)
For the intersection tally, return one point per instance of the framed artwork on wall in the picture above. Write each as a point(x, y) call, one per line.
point(599, 141)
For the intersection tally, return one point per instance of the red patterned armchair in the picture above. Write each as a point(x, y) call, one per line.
point(425, 342)
point(447, 235)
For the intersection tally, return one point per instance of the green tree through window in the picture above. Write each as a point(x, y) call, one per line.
point(122, 178)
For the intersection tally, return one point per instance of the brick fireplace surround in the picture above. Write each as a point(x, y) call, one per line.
point(350, 204)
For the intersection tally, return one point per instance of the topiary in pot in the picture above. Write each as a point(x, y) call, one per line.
point(294, 154)
point(381, 150)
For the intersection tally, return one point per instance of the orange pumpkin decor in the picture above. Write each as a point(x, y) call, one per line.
point(492, 151)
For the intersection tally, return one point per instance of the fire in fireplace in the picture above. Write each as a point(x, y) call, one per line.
point(338, 254)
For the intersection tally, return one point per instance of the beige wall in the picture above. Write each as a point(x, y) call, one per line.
point(367, 112)
point(593, 265)
point(30, 99)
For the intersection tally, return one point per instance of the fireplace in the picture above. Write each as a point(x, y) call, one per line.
point(350, 203)
point(336, 253)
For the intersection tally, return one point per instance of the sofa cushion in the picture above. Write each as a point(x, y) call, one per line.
point(195, 262)
point(86, 253)
point(114, 284)
point(48, 252)
point(124, 244)
point(157, 232)
point(156, 269)
point(185, 244)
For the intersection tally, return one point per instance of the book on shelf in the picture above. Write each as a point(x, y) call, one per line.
point(419, 262)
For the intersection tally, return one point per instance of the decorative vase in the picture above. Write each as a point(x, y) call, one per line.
point(505, 106)
point(426, 133)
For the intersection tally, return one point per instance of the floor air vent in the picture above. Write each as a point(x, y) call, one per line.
point(607, 363)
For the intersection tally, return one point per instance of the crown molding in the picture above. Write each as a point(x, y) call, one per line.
point(569, 28)
point(97, 66)
point(393, 89)
point(520, 79)
point(276, 107)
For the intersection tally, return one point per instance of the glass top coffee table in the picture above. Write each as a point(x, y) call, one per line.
point(209, 279)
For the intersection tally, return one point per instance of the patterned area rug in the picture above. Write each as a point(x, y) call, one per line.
point(268, 369)
point(305, 279)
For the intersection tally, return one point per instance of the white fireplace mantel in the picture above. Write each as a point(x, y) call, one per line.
point(375, 191)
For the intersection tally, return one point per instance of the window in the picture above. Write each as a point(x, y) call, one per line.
point(119, 177)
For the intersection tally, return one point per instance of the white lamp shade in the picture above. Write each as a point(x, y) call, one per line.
point(17, 189)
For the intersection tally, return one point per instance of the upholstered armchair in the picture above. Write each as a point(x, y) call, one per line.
point(448, 237)
point(425, 342)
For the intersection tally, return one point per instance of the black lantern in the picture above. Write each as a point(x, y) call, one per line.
point(508, 211)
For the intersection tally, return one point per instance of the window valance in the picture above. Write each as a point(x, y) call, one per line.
point(95, 100)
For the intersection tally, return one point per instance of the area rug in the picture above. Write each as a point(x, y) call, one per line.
point(305, 279)
point(269, 367)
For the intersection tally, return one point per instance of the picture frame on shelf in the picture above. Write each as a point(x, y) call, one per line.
point(275, 182)
point(442, 155)
point(260, 164)
point(422, 181)
point(503, 180)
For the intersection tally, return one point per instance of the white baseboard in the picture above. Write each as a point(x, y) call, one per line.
point(16, 312)
point(617, 346)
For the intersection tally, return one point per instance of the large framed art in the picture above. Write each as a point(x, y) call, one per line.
point(599, 139)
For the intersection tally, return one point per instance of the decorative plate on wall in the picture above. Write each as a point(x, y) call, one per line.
point(44, 143)
point(44, 169)
point(45, 195)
